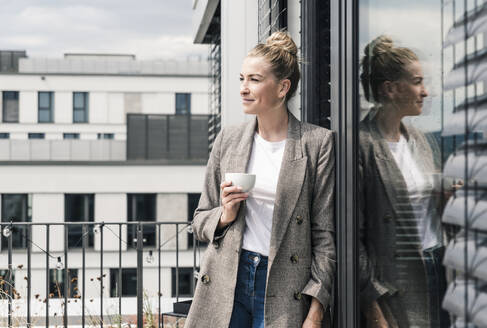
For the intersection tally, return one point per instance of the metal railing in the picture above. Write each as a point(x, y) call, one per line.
point(66, 295)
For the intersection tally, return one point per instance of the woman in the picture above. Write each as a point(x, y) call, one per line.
point(271, 254)
point(402, 278)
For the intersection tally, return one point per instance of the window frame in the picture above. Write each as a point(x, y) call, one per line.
point(149, 231)
point(114, 289)
point(88, 201)
point(50, 108)
point(71, 136)
point(22, 241)
point(36, 136)
point(84, 109)
point(4, 96)
point(179, 110)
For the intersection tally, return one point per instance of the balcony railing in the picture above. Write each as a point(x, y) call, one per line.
point(75, 274)
point(62, 150)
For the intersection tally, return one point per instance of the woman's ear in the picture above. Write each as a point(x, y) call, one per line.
point(284, 87)
point(388, 90)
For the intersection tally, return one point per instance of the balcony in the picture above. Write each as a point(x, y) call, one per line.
point(171, 138)
point(62, 150)
point(103, 279)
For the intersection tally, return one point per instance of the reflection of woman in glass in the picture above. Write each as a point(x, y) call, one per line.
point(402, 279)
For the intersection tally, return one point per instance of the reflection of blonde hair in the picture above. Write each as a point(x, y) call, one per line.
point(281, 52)
point(383, 61)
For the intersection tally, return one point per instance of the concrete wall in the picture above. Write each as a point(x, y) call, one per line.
point(239, 34)
point(110, 99)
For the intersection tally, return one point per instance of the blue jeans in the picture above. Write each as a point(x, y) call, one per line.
point(248, 305)
point(436, 285)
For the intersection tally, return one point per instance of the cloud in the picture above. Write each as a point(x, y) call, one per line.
point(147, 28)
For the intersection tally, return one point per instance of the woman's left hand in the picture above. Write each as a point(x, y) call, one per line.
point(315, 315)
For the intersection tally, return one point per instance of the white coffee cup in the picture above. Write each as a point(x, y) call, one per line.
point(244, 180)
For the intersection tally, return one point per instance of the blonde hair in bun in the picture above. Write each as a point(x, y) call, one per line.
point(282, 53)
point(383, 61)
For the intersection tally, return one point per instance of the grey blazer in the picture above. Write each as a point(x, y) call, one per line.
point(391, 266)
point(302, 228)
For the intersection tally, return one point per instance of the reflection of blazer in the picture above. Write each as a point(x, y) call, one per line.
point(390, 250)
point(302, 252)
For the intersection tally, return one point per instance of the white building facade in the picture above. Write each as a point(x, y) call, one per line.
point(65, 156)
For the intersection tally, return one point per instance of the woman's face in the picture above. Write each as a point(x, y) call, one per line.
point(410, 92)
point(259, 89)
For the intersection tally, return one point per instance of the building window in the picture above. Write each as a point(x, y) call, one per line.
point(272, 17)
point(79, 208)
point(186, 282)
point(128, 282)
point(4, 135)
point(183, 103)
point(46, 107)
point(71, 135)
point(141, 207)
point(16, 208)
point(105, 136)
point(56, 283)
point(7, 278)
point(10, 106)
point(80, 107)
point(36, 135)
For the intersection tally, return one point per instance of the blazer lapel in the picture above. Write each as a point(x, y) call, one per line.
point(390, 174)
point(241, 153)
point(291, 177)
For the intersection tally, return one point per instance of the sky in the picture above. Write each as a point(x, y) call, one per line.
point(150, 29)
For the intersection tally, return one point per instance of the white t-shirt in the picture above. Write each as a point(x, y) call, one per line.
point(419, 190)
point(265, 163)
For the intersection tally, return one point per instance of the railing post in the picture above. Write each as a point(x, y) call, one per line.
point(10, 273)
point(66, 277)
point(47, 275)
point(101, 274)
point(29, 290)
point(83, 274)
point(159, 276)
point(140, 284)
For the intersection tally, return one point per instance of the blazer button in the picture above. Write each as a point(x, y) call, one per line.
point(297, 296)
point(388, 217)
point(216, 244)
point(294, 259)
point(205, 279)
point(299, 219)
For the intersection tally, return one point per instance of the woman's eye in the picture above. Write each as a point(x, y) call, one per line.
point(255, 80)
point(241, 79)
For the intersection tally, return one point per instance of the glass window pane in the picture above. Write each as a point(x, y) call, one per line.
point(10, 106)
point(402, 111)
point(129, 282)
point(79, 116)
point(44, 99)
point(79, 208)
point(183, 103)
point(45, 115)
point(15, 208)
point(79, 99)
point(141, 207)
point(56, 283)
point(36, 135)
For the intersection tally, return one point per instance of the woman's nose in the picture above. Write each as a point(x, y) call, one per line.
point(243, 88)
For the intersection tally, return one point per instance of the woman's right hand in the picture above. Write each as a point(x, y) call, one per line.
point(374, 316)
point(231, 196)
